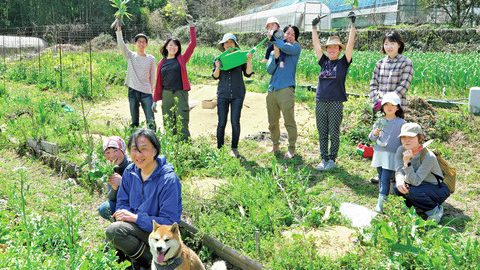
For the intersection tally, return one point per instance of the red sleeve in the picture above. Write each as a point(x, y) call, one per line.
point(191, 45)
point(157, 94)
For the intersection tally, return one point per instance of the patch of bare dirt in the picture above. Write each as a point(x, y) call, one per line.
point(421, 112)
point(333, 242)
point(203, 122)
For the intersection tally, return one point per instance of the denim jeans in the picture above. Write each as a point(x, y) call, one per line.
point(105, 210)
point(223, 105)
point(137, 98)
point(384, 180)
point(426, 196)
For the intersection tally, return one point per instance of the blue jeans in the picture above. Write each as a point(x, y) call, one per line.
point(223, 105)
point(426, 196)
point(137, 98)
point(384, 180)
point(105, 210)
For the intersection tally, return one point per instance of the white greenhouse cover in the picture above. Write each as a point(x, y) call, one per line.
point(299, 14)
point(11, 42)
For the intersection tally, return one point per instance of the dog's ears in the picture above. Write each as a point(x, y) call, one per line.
point(174, 228)
point(154, 224)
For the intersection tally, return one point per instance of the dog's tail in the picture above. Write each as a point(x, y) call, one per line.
point(219, 265)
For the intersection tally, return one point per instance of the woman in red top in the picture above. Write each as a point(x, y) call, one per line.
point(172, 84)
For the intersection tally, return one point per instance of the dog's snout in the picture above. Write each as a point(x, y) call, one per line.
point(159, 249)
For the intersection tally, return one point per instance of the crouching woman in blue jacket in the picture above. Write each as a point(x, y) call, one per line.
point(150, 190)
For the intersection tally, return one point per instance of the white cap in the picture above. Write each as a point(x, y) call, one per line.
point(392, 98)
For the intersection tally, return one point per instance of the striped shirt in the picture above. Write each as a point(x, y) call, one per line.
point(391, 75)
point(141, 69)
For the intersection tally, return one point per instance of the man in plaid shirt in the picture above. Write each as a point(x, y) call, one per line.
point(393, 73)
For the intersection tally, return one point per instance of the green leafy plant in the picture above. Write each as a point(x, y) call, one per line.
point(121, 5)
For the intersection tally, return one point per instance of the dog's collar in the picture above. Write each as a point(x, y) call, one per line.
point(170, 264)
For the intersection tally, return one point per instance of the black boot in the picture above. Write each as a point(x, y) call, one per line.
point(143, 260)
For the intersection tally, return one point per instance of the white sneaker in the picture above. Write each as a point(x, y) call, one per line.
point(330, 165)
point(435, 214)
point(321, 165)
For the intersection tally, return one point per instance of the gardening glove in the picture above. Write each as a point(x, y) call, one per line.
point(316, 21)
point(189, 19)
point(352, 16)
point(154, 106)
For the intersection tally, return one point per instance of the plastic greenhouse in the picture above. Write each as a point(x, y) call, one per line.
point(299, 13)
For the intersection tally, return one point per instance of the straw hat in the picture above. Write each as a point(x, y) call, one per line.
point(333, 40)
point(225, 38)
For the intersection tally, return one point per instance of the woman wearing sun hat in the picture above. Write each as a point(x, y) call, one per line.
point(418, 174)
point(331, 91)
point(230, 93)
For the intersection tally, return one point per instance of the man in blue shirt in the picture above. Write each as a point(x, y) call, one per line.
point(281, 89)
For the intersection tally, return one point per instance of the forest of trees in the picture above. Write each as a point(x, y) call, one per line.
point(29, 13)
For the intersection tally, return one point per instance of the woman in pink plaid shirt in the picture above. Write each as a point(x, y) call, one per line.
point(393, 73)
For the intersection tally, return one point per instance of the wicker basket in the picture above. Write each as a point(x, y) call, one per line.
point(209, 104)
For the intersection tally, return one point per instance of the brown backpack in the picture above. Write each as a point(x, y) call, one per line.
point(449, 173)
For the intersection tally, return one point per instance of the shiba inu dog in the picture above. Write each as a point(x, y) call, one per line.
point(169, 252)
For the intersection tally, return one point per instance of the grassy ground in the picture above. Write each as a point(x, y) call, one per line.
point(48, 223)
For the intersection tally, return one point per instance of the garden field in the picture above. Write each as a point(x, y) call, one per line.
point(49, 222)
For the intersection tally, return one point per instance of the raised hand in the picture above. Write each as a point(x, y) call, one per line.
point(189, 19)
point(352, 16)
point(316, 20)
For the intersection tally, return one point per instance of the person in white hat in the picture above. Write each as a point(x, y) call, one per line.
point(230, 93)
point(385, 135)
point(418, 176)
point(114, 151)
point(331, 91)
point(273, 27)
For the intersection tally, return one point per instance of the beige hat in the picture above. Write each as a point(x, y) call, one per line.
point(225, 38)
point(272, 20)
point(333, 40)
point(410, 130)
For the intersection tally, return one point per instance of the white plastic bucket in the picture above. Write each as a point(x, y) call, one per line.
point(474, 100)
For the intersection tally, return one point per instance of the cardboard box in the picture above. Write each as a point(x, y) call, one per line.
point(209, 104)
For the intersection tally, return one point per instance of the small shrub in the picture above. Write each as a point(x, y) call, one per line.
point(102, 42)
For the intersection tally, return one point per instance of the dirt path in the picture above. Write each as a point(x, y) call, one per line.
point(203, 121)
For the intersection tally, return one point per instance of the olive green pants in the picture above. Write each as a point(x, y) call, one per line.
point(174, 106)
point(282, 101)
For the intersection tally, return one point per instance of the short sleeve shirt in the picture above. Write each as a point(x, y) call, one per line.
point(331, 81)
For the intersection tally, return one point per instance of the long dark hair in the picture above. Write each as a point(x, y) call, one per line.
point(147, 133)
point(164, 51)
point(394, 36)
point(295, 30)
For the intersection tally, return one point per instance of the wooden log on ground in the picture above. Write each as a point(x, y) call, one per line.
point(223, 251)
